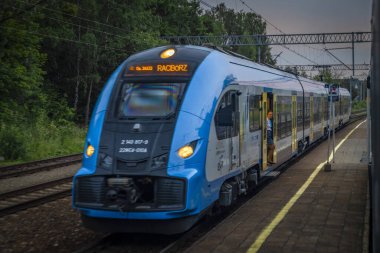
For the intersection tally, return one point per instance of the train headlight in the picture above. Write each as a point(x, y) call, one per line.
point(167, 53)
point(90, 150)
point(187, 150)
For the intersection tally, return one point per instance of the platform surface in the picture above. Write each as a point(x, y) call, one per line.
point(328, 216)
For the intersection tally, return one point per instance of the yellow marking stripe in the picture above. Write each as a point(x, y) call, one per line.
point(268, 229)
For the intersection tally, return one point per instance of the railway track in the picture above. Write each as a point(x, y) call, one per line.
point(37, 166)
point(18, 200)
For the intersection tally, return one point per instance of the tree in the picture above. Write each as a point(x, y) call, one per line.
point(240, 23)
point(21, 62)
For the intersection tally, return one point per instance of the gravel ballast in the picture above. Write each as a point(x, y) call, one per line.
point(52, 227)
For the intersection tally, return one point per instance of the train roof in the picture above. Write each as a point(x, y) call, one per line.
point(269, 75)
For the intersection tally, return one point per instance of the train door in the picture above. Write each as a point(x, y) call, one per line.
point(322, 114)
point(235, 139)
point(272, 106)
point(264, 109)
point(294, 123)
point(275, 124)
point(311, 118)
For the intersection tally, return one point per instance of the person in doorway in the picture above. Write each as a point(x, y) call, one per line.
point(270, 143)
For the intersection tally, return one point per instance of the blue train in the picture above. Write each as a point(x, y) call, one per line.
point(178, 130)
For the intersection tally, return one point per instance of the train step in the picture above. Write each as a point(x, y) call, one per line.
point(272, 174)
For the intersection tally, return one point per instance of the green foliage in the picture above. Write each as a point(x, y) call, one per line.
point(40, 140)
point(12, 143)
point(21, 72)
point(359, 105)
point(325, 76)
point(222, 20)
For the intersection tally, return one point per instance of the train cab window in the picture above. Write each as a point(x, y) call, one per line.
point(254, 113)
point(148, 99)
point(228, 102)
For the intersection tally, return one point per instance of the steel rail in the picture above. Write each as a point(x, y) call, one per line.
point(21, 199)
point(37, 166)
point(34, 188)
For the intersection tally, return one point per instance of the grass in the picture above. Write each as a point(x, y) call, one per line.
point(39, 141)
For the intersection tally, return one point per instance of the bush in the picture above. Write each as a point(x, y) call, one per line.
point(12, 144)
point(41, 140)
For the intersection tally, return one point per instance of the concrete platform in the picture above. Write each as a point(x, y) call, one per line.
point(328, 216)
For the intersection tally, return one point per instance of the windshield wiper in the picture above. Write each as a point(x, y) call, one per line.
point(169, 116)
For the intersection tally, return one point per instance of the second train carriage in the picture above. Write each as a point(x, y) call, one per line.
point(179, 129)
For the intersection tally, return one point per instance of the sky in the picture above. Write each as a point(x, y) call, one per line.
point(313, 16)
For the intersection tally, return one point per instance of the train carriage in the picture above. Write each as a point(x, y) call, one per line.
point(178, 130)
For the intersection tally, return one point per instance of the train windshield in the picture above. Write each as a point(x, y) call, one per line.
point(149, 99)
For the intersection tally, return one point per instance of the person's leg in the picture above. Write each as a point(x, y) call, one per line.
point(270, 152)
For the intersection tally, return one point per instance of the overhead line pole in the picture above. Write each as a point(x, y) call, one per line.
point(353, 55)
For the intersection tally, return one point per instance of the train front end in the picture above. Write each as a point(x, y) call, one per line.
point(136, 177)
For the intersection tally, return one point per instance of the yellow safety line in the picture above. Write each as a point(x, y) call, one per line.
point(268, 229)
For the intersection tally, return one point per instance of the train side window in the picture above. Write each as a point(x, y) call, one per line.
point(254, 113)
point(223, 132)
point(282, 125)
point(316, 110)
point(326, 108)
point(282, 108)
point(279, 117)
point(307, 112)
point(299, 112)
point(288, 103)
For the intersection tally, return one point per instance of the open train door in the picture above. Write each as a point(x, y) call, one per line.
point(275, 124)
point(264, 110)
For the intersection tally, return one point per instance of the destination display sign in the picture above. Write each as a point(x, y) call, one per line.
point(172, 69)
